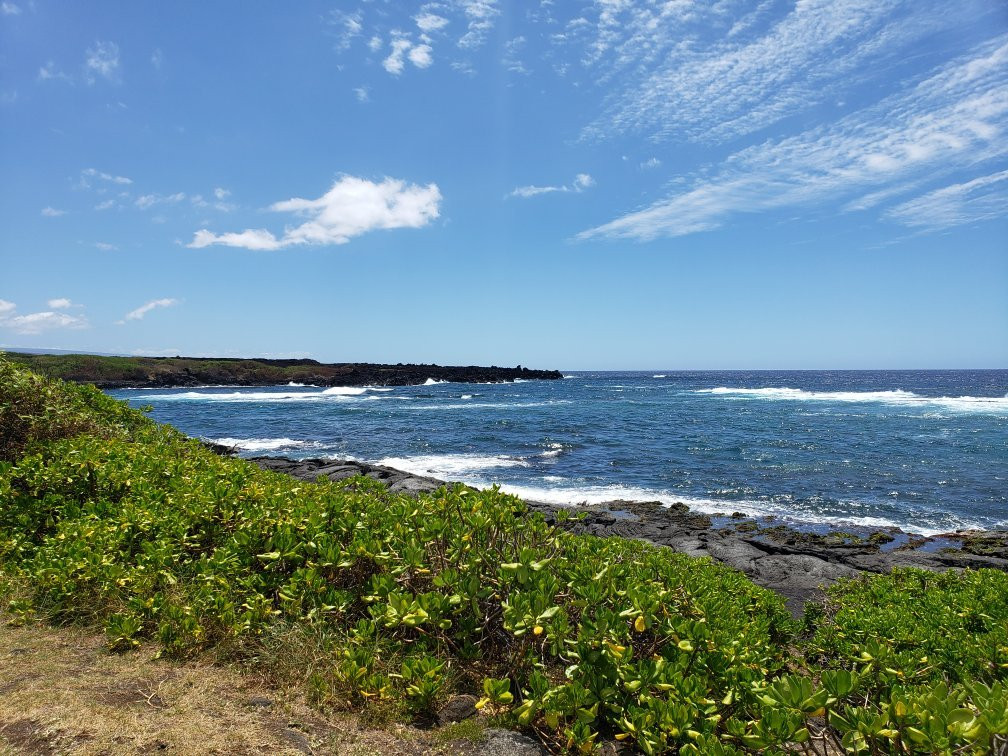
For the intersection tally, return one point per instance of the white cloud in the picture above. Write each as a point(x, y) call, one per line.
point(106, 204)
point(90, 173)
point(362, 94)
point(353, 206)
point(955, 119)
point(374, 44)
point(650, 163)
point(49, 72)
point(348, 26)
point(157, 58)
point(52, 212)
point(430, 22)
point(37, 322)
point(221, 193)
point(512, 56)
point(420, 56)
point(581, 182)
point(984, 198)
point(9, 9)
point(480, 15)
point(61, 303)
point(147, 201)
point(394, 62)
point(102, 60)
point(105, 246)
point(143, 309)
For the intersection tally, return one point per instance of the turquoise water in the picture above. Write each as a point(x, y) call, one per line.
point(923, 450)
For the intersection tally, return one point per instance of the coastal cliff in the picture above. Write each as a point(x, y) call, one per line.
point(165, 372)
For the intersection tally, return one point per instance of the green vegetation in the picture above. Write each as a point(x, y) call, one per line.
point(393, 603)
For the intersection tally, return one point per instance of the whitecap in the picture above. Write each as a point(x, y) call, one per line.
point(895, 397)
point(445, 465)
point(554, 450)
point(345, 391)
point(432, 382)
point(334, 393)
point(265, 444)
point(467, 396)
point(660, 375)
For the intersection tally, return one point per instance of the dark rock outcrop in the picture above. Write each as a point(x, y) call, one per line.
point(169, 372)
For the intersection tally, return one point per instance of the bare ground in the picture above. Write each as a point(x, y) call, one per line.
point(62, 692)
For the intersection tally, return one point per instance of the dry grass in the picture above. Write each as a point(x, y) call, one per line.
point(62, 692)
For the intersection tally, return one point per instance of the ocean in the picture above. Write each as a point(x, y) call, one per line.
point(926, 451)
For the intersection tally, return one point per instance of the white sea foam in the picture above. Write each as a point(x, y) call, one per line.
point(488, 405)
point(345, 391)
point(298, 385)
point(336, 392)
point(446, 465)
point(265, 444)
point(432, 382)
point(660, 375)
point(467, 396)
point(997, 404)
point(554, 450)
point(578, 495)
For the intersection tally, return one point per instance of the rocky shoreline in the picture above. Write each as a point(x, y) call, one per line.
point(789, 561)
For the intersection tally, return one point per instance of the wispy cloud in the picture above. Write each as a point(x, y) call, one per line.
point(37, 322)
point(102, 60)
point(362, 94)
point(105, 246)
point(981, 199)
point(956, 119)
point(49, 72)
point(52, 212)
point(60, 303)
point(766, 64)
point(353, 206)
point(480, 16)
point(147, 201)
point(9, 9)
point(346, 26)
point(139, 312)
point(581, 182)
point(88, 175)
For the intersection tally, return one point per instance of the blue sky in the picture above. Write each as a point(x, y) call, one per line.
point(581, 185)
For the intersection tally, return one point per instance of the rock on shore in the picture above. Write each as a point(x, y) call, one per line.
point(793, 563)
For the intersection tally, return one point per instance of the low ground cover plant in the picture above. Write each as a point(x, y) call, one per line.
point(396, 602)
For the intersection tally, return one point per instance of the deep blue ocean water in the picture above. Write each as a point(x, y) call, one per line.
point(923, 450)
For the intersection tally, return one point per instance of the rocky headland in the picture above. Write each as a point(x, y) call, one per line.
point(793, 562)
point(167, 372)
